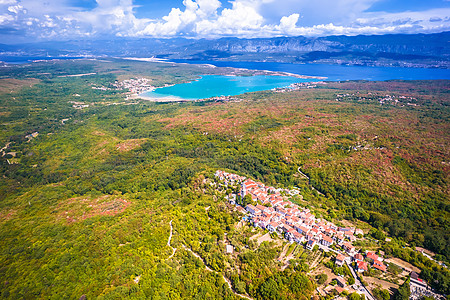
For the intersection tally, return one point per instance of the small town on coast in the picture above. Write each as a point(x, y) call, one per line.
point(270, 209)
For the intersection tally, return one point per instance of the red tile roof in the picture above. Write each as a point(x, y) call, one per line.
point(362, 265)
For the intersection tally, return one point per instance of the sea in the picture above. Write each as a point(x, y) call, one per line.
point(337, 72)
point(219, 85)
point(213, 85)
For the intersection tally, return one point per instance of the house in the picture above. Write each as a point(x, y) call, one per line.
point(329, 231)
point(339, 238)
point(261, 222)
point(298, 237)
point(251, 209)
point(310, 244)
point(358, 257)
point(247, 187)
point(289, 236)
point(349, 248)
point(262, 208)
point(341, 282)
point(326, 241)
point(340, 259)
point(338, 289)
point(359, 232)
point(310, 236)
point(272, 227)
point(301, 229)
point(372, 257)
point(361, 266)
point(240, 209)
point(379, 265)
point(281, 210)
point(230, 249)
point(350, 236)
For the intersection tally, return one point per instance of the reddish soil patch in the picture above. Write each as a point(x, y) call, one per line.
point(129, 144)
point(10, 84)
point(420, 249)
point(7, 215)
point(99, 133)
point(76, 209)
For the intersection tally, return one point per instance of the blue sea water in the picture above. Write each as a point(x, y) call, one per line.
point(337, 72)
point(217, 85)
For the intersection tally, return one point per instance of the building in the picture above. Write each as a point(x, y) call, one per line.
point(380, 266)
point(361, 266)
point(358, 257)
point(372, 257)
point(349, 248)
point(251, 209)
point(341, 282)
point(340, 259)
point(272, 227)
point(310, 245)
point(326, 241)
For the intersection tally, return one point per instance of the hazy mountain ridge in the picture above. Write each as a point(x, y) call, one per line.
point(426, 50)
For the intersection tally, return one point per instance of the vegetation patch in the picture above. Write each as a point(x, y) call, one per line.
point(129, 144)
point(81, 208)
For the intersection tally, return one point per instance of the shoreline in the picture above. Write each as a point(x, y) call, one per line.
point(164, 99)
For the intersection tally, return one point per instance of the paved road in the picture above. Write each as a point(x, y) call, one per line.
point(359, 283)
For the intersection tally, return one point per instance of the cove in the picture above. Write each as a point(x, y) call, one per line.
point(219, 85)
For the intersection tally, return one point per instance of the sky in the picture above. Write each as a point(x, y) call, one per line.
point(48, 20)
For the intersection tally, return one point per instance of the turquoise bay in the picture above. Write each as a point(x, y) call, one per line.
point(217, 85)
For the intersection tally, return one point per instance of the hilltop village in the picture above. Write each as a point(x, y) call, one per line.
point(270, 209)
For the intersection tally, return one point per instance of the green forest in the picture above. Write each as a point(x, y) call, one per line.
point(85, 204)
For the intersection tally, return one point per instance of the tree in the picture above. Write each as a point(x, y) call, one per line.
point(403, 291)
point(247, 200)
point(321, 278)
point(269, 290)
point(354, 296)
point(381, 294)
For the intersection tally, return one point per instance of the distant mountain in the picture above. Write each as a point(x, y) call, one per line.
point(430, 50)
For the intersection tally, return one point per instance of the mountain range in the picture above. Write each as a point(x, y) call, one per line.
point(423, 50)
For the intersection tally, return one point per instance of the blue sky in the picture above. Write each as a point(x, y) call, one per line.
point(33, 20)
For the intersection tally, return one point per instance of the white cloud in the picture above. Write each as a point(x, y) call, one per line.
point(7, 2)
point(16, 9)
point(288, 24)
point(5, 19)
point(207, 18)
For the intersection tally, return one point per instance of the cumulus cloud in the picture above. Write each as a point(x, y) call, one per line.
point(7, 2)
point(207, 18)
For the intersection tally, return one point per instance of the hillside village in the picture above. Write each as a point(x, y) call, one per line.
point(270, 209)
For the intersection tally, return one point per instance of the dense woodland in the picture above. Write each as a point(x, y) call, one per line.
point(85, 205)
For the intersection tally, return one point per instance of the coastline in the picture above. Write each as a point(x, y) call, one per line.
point(162, 99)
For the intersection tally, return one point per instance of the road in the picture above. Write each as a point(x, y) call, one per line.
point(358, 283)
point(303, 174)
point(170, 238)
point(307, 177)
